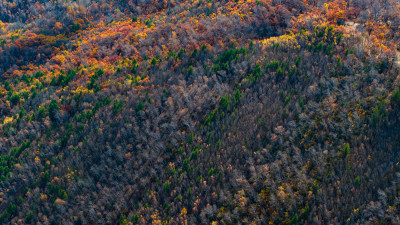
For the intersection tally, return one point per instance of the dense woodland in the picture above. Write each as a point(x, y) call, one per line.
point(199, 112)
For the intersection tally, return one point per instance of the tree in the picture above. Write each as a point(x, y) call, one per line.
point(396, 96)
point(53, 108)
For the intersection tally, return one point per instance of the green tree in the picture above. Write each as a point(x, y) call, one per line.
point(15, 98)
point(346, 149)
point(135, 218)
point(42, 111)
point(53, 108)
point(357, 181)
point(167, 186)
point(396, 96)
point(29, 217)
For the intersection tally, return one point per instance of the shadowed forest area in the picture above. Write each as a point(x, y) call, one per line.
point(199, 112)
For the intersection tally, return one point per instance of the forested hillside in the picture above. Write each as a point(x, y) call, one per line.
point(199, 112)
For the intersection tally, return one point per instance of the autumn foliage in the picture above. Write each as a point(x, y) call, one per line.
point(199, 112)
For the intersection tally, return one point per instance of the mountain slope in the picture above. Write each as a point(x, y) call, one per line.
point(192, 112)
